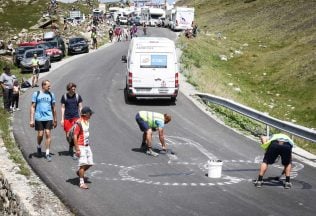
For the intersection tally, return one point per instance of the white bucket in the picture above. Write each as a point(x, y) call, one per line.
point(215, 168)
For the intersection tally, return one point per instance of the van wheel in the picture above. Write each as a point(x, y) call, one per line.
point(128, 98)
point(173, 99)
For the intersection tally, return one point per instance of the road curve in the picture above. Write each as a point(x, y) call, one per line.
point(125, 181)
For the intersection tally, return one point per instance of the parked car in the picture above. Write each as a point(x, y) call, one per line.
point(135, 20)
point(77, 45)
point(123, 20)
point(52, 37)
point(161, 22)
point(44, 60)
point(54, 53)
point(19, 53)
point(29, 43)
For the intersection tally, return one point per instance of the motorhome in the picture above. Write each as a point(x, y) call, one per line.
point(152, 69)
point(169, 17)
point(154, 15)
point(182, 18)
point(97, 12)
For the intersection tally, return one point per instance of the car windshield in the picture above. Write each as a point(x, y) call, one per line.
point(47, 45)
point(52, 44)
point(44, 46)
point(20, 50)
point(76, 40)
point(30, 54)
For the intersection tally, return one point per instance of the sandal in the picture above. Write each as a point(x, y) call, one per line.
point(83, 186)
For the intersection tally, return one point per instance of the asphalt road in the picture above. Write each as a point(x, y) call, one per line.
point(124, 181)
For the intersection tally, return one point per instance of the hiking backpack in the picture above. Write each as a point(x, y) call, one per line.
point(77, 98)
point(71, 133)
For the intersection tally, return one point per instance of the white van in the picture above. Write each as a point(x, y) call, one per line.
point(152, 69)
point(182, 18)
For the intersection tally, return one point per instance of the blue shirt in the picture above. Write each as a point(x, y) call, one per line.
point(43, 108)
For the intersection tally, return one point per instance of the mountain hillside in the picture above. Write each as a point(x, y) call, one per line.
point(258, 52)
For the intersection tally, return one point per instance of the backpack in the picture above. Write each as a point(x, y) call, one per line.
point(51, 100)
point(71, 133)
point(25, 84)
point(77, 98)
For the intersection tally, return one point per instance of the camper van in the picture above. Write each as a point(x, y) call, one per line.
point(154, 15)
point(152, 69)
point(182, 18)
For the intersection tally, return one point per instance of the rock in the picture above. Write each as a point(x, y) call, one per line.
point(223, 57)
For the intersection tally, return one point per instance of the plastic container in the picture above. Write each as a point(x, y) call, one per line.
point(215, 168)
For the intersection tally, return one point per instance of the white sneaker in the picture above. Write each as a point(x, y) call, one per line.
point(13, 109)
point(17, 109)
point(152, 153)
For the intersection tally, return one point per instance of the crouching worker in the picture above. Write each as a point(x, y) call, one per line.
point(149, 122)
point(277, 145)
point(82, 144)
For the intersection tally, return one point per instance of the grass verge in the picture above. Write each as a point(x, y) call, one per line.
point(258, 53)
point(12, 148)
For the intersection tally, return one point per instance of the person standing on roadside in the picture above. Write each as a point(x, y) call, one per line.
point(276, 145)
point(36, 70)
point(111, 34)
point(94, 38)
point(43, 116)
point(71, 105)
point(82, 144)
point(149, 122)
point(6, 81)
point(16, 95)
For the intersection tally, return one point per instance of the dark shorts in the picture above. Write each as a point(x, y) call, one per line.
point(42, 125)
point(143, 126)
point(275, 149)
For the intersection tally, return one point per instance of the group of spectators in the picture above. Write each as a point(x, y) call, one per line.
point(121, 33)
point(190, 33)
point(8, 48)
point(10, 90)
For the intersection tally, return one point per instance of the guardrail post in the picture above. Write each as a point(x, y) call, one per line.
point(267, 130)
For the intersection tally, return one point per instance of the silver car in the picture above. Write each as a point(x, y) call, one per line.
point(44, 60)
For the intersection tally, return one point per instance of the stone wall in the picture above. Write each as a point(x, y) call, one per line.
point(9, 202)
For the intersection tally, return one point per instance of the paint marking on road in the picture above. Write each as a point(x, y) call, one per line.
point(125, 173)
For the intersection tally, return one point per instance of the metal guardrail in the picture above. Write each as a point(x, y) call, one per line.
point(297, 130)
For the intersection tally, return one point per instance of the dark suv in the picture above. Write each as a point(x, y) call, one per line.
point(19, 53)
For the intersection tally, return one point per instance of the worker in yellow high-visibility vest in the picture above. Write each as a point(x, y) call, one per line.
point(149, 122)
point(276, 145)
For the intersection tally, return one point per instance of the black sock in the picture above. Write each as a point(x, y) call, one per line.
point(287, 178)
point(260, 178)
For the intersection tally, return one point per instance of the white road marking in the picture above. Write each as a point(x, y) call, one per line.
point(124, 171)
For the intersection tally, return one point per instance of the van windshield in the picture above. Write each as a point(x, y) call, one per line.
point(153, 61)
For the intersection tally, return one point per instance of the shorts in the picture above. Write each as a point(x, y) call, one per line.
point(275, 149)
point(86, 156)
point(43, 125)
point(36, 72)
point(68, 123)
point(143, 126)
